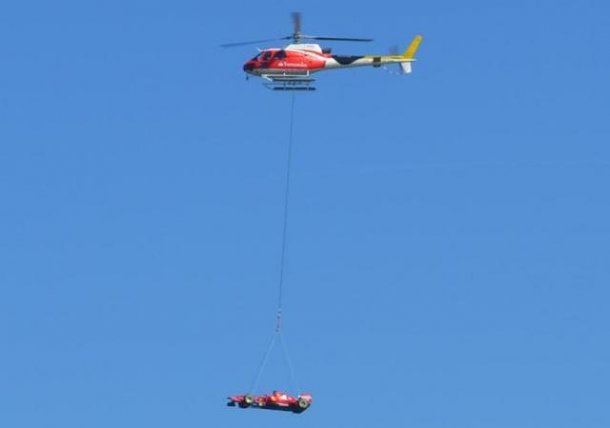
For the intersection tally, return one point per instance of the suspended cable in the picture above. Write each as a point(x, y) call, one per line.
point(293, 379)
point(285, 219)
point(278, 327)
point(261, 368)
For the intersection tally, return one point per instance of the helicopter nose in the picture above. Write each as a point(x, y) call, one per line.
point(248, 67)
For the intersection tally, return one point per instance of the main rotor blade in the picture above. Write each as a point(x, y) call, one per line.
point(253, 42)
point(296, 22)
point(340, 39)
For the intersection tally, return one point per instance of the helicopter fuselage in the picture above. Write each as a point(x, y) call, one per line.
point(309, 58)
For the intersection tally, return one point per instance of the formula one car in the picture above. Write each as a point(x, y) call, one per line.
point(275, 401)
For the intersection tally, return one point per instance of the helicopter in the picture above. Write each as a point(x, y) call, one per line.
point(290, 68)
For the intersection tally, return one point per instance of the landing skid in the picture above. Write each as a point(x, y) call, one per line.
point(293, 81)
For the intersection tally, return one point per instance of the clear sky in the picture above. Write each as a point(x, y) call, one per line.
point(448, 241)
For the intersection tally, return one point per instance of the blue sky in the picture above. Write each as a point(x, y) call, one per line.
point(448, 239)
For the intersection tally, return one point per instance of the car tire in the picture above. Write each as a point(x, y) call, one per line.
point(303, 403)
point(248, 400)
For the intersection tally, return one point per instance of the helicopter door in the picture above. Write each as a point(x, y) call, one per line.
point(280, 57)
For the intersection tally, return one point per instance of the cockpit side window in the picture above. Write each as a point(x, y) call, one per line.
point(266, 56)
point(281, 54)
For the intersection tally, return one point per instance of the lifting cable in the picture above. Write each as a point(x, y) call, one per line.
point(278, 326)
point(285, 227)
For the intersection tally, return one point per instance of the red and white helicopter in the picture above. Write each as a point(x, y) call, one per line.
point(291, 67)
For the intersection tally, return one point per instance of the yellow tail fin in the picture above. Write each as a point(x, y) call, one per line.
point(410, 52)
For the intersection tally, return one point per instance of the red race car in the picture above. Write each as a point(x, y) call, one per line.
point(275, 401)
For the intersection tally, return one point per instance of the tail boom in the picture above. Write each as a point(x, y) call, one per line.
point(403, 60)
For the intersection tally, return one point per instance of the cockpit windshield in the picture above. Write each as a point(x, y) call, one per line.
point(267, 55)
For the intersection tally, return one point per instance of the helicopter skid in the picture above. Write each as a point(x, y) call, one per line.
point(289, 81)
